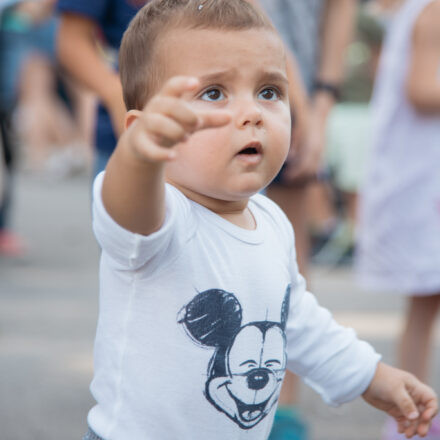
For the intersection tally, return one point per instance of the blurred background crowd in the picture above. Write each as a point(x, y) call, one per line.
point(61, 112)
point(48, 117)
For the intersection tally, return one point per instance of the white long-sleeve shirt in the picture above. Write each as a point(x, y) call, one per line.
point(199, 321)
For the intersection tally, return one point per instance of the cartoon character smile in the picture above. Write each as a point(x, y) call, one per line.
point(247, 368)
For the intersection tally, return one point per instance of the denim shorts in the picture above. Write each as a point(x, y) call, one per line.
point(90, 435)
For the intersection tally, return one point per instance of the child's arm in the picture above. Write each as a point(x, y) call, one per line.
point(79, 55)
point(412, 403)
point(133, 186)
point(423, 85)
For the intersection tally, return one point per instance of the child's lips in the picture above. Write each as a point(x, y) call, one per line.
point(251, 153)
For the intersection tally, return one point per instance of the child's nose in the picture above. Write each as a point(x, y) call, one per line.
point(249, 114)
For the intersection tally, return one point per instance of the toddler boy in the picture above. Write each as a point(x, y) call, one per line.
point(202, 307)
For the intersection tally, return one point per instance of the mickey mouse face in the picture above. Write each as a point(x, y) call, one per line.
point(256, 363)
point(246, 371)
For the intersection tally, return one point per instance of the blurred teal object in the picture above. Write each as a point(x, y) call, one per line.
point(288, 425)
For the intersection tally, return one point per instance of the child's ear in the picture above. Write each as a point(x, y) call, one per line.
point(130, 117)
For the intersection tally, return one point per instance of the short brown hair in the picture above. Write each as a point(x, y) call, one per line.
point(138, 73)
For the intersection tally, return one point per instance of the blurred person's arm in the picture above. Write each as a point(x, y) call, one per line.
point(299, 104)
point(79, 55)
point(297, 93)
point(423, 86)
point(36, 12)
point(337, 31)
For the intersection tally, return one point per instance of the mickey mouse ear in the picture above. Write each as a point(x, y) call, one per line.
point(212, 318)
point(285, 308)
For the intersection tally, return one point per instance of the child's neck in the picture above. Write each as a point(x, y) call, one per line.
point(236, 212)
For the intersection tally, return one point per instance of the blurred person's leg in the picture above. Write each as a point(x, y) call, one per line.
point(321, 211)
point(83, 104)
point(2, 172)
point(292, 200)
point(14, 47)
point(322, 214)
point(346, 156)
point(416, 340)
point(48, 128)
point(10, 244)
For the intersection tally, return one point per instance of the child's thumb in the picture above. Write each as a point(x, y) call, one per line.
point(406, 404)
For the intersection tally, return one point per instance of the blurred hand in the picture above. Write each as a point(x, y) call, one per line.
point(400, 394)
point(305, 157)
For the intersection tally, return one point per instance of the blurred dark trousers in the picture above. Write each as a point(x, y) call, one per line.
point(7, 156)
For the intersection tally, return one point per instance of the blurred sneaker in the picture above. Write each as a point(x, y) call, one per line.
point(66, 162)
point(390, 431)
point(288, 425)
point(11, 245)
point(338, 249)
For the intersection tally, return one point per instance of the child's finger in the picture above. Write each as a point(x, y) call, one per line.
point(406, 404)
point(178, 85)
point(411, 430)
point(401, 426)
point(430, 402)
point(426, 399)
point(164, 131)
point(430, 412)
point(423, 429)
point(147, 149)
point(179, 110)
point(212, 119)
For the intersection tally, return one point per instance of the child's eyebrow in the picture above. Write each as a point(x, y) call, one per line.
point(275, 77)
point(268, 76)
point(219, 75)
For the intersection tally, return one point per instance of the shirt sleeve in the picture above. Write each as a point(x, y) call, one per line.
point(94, 9)
point(130, 251)
point(330, 358)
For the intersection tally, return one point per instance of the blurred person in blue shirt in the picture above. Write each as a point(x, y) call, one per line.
point(83, 24)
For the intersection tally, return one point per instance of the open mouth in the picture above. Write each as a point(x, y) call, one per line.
point(249, 412)
point(251, 149)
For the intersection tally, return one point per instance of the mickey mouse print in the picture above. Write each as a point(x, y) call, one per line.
point(246, 370)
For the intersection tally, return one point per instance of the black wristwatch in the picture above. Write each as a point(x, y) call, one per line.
point(331, 88)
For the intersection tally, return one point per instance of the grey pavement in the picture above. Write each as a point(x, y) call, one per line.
point(48, 309)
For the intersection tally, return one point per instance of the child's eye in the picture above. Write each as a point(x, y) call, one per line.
point(269, 94)
point(214, 94)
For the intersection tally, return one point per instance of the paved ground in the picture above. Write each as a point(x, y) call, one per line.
point(48, 306)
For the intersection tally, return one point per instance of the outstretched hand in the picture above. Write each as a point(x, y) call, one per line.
point(400, 394)
point(168, 119)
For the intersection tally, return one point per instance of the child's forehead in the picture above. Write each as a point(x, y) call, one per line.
point(180, 49)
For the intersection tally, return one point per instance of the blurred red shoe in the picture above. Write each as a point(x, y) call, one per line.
point(11, 245)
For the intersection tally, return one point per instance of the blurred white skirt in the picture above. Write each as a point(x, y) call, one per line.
point(399, 222)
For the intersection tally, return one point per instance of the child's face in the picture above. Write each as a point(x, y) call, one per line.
point(243, 72)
